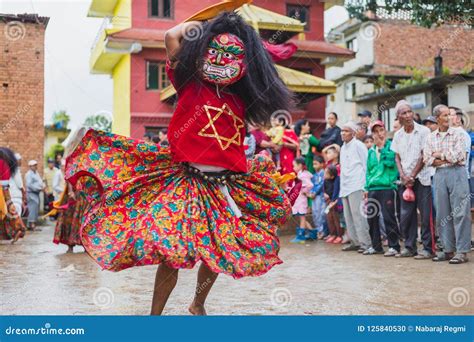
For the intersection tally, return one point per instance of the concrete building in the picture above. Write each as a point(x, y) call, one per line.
point(391, 55)
point(130, 48)
point(22, 85)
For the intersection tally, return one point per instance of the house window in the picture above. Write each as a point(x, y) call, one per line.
point(299, 12)
point(160, 8)
point(350, 90)
point(471, 93)
point(156, 78)
point(352, 44)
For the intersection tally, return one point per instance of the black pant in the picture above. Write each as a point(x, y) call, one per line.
point(383, 202)
point(409, 217)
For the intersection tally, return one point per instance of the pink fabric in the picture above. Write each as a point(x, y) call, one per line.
point(301, 204)
point(280, 52)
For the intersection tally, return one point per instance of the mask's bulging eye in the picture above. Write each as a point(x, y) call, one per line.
point(212, 51)
point(228, 55)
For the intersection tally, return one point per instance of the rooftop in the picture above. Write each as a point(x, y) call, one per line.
point(24, 18)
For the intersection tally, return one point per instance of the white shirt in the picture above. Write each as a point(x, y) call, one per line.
point(353, 167)
point(16, 184)
point(58, 184)
point(409, 146)
point(467, 142)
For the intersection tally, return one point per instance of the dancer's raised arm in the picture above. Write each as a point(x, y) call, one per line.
point(174, 36)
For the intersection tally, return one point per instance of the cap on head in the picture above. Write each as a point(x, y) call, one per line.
point(351, 126)
point(17, 156)
point(32, 163)
point(430, 118)
point(377, 123)
point(365, 113)
point(400, 104)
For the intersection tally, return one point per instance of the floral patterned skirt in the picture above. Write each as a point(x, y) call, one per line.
point(11, 224)
point(69, 221)
point(146, 209)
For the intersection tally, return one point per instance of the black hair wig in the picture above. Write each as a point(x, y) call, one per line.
point(9, 157)
point(261, 89)
point(298, 126)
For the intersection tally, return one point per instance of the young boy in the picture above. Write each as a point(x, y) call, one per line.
point(368, 141)
point(331, 196)
point(318, 204)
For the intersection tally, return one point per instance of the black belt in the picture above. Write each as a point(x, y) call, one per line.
point(221, 177)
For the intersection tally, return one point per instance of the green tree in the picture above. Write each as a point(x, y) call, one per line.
point(54, 151)
point(61, 119)
point(99, 121)
point(424, 13)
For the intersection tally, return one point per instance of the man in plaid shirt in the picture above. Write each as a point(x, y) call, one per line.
point(445, 151)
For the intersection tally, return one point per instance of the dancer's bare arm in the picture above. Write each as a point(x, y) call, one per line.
point(174, 36)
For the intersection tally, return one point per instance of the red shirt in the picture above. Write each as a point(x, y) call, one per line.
point(207, 129)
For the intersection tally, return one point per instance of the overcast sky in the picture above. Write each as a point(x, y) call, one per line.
point(69, 37)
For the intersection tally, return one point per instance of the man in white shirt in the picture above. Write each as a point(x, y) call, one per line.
point(408, 145)
point(353, 168)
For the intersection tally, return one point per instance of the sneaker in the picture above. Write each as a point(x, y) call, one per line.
point(391, 252)
point(350, 248)
point(405, 253)
point(337, 240)
point(371, 251)
point(330, 239)
point(312, 234)
point(423, 255)
point(361, 250)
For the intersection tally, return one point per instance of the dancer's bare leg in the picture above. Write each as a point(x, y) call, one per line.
point(205, 280)
point(165, 281)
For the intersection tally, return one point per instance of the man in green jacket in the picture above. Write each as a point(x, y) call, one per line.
point(381, 178)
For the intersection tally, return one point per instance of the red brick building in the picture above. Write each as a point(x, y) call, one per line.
point(22, 85)
point(130, 47)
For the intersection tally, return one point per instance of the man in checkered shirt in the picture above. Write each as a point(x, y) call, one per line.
point(445, 150)
point(408, 143)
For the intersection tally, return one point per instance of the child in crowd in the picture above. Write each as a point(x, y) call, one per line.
point(331, 156)
point(300, 207)
point(368, 141)
point(276, 135)
point(334, 206)
point(317, 195)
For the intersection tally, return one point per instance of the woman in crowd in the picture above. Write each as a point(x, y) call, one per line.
point(306, 141)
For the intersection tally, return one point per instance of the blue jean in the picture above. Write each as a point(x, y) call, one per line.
point(318, 206)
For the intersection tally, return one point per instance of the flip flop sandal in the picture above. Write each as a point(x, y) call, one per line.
point(441, 257)
point(458, 259)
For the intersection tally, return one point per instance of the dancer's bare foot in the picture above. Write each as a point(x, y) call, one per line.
point(17, 236)
point(197, 309)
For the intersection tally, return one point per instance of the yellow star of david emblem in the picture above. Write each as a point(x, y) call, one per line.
point(210, 129)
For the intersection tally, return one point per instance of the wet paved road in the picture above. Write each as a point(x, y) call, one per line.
point(38, 277)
